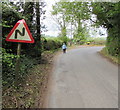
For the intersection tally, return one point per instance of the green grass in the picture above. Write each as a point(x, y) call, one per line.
point(105, 53)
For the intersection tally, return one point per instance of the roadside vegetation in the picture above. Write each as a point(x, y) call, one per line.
point(96, 41)
point(36, 59)
point(105, 53)
point(52, 43)
point(108, 16)
point(90, 41)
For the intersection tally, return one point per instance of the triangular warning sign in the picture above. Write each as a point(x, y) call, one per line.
point(20, 33)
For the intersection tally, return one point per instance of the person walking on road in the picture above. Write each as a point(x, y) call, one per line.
point(64, 47)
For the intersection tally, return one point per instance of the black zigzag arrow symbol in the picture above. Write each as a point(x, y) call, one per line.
point(18, 32)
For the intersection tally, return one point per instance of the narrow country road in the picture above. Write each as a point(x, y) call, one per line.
point(83, 79)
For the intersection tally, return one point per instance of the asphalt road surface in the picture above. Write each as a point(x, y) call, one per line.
point(82, 78)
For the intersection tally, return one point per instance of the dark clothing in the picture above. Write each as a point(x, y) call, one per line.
point(64, 50)
point(64, 47)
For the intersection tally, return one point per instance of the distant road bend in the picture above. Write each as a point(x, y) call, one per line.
point(83, 79)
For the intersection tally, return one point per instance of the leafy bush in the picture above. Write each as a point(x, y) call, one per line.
point(114, 59)
point(25, 64)
point(63, 39)
point(52, 44)
point(113, 46)
point(8, 67)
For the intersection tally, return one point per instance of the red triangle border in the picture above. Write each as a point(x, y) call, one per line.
point(15, 40)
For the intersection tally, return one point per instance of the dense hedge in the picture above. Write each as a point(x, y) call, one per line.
point(113, 45)
point(8, 67)
point(52, 44)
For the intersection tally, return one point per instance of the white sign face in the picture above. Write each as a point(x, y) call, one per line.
point(20, 33)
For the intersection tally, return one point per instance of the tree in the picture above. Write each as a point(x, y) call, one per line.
point(28, 12)
point(40, 26)
point(10, 16)
point(60, 17)
point(71, 13)
point(108, 15)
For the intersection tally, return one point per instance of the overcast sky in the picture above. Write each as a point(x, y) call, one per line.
point(49, 22)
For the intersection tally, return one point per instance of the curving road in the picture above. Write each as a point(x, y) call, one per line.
point(83, 79)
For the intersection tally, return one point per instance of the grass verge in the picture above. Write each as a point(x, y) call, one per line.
point(113, 59)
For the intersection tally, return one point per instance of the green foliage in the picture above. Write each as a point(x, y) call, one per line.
point(108, 15)
point(114, 59)
point(60, 17)
point(113, 45)
point(52, 43)
point(28, 12)
point(26, 63)
point(30, 53)
point(79, 40)
point(9, 17)
point(8, 62)
point(71, 13)
point(81, 35)
point(77, 11)
point(63, 39)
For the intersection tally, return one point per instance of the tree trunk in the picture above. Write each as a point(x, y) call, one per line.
point(38, 40)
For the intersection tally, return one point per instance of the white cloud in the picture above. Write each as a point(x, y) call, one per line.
point(51, 33)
